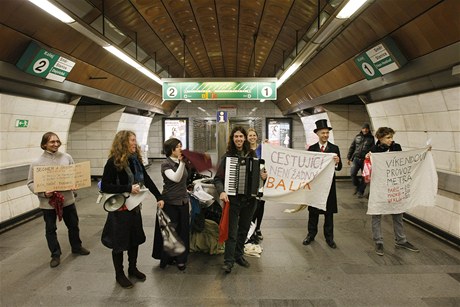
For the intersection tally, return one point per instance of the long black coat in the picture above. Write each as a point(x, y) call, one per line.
point(331, 205)
point(123, 229)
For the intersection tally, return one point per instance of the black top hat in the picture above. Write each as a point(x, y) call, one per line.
point(321, 124)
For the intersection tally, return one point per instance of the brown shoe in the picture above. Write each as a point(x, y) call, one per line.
point(82, 251)
point(123, 281)
point(134, 272)
point(55, 261)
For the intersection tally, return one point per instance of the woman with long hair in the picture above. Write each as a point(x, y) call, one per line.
point(123, 231)
point(259, 213)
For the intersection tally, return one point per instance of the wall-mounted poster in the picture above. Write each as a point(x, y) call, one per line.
point(279, 131)
point(176, 128)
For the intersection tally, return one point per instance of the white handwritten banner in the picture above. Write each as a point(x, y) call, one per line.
point(402, 180)
point(297, 176)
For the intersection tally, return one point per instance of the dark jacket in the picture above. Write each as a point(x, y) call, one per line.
point(174, 193)
point(123, 229)
point(331, 205)
point(219, 178)
point(383, 148)
point(360, 146)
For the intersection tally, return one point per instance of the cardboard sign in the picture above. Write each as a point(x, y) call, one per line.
point(62, 177)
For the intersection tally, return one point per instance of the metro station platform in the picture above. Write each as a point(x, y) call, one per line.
point(287, 274)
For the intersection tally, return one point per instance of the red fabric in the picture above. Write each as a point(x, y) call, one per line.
point(367, 170)
point(57, 202)
point(322, 148)
point(223, 225)
point(200, 161)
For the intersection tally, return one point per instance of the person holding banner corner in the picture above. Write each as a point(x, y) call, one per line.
point(385, 143)
point(56, 204)
point(123, 230)
point(323, 145)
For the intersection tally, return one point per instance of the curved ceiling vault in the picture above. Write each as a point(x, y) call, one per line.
point(224, 38)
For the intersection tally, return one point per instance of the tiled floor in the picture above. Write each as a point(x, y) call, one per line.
point(287, 274)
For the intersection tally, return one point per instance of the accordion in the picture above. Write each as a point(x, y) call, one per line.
point(242, 176)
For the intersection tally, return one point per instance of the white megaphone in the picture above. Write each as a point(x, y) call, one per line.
point(113, 202)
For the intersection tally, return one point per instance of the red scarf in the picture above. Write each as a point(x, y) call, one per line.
point(223, 225)
point(57, 202)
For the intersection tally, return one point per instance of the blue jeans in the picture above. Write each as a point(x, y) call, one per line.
point(358, 182)
point(398, 228)
point(70, 218)
point(239, 221)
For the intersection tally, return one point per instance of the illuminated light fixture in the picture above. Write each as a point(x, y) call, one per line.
point(53, 10)
point(350, 8)
point(201, 109)
point(188, 100)
point(127, 59)
point(322, 35)
point(162, 102)
point(262, 100)
point(292, 69)
point(288, 100)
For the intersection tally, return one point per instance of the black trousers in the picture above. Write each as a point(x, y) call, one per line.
point(70, 218)
point(313, 218)
point(180, 217)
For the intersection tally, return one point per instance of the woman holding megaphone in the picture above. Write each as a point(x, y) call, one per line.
point(123, 231)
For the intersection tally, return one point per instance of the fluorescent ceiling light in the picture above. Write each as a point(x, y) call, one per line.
point(292, 69)
point(124, 57)
point(350, 8)
point(188, 100)
point(53, 10)
point(262, 100)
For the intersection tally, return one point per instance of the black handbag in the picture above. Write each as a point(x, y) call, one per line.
point(172, 244)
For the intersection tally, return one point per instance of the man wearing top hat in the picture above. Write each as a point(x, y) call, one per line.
point(322, 130)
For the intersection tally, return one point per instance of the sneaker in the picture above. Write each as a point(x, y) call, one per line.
point(360, 195)
point(82, 251)
point(407, 246)
point(55, 261)
point(259, 234)
point(379, 249)
point(227, 267)
point(243, 262)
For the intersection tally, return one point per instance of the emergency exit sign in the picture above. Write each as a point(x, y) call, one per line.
point(380, 59)
point(45, 64)
point(22, 123)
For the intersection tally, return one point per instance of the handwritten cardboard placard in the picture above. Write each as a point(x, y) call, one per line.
point(62, 177)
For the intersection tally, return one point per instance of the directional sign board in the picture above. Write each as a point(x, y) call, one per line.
point(380, 59)
point(45, 64)
point(220, 89)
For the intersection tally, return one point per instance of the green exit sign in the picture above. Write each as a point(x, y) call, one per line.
point(22, 123)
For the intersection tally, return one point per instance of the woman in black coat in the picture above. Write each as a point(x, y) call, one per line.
point(123, 231)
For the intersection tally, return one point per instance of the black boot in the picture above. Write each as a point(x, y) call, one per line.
point(132, 259)
point(119, 273)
